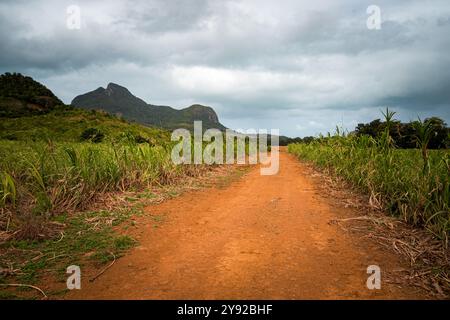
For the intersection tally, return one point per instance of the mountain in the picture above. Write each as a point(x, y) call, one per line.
point(31, 112)
point(21, 95)
point(116, 99)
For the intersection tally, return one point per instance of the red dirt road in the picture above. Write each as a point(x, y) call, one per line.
point(261, 237)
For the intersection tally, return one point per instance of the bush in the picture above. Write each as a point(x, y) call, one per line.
point(10, 136)
point(404, 134)
point(93, 135)
point(140, 139)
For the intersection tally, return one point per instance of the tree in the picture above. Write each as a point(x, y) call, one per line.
point(404, 135)
point(93, 135)
point(439, 133)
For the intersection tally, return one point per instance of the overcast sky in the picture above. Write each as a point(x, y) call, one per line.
point(300, 66)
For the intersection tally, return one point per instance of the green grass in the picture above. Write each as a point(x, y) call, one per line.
point(45, 168)
point(399, 180)
point(88, 237)
point(54, 177)
point(67, 125)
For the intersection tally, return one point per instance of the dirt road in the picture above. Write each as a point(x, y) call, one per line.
point(261, 237)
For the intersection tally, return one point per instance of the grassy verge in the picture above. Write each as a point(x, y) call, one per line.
point(47, 179)
point(87, 238)
point(396, 180)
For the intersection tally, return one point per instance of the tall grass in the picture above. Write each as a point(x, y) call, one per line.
point(412, 184)
point(49, 178)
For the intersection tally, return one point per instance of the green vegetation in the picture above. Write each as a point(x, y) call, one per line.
point(403, 135)
point(87, 238)
point(49, 178)
point(62, 160)
point(413, 184)
point(68, 125)
point(20, 95)
point(93, 135)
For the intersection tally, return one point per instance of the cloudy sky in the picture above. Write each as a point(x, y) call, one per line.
point(300, 66)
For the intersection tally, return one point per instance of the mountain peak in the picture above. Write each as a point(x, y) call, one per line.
point(118, 99)
point(114, 88)
point(113, 85)
point(204, 113)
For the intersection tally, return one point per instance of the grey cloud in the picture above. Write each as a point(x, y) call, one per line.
point(168, 16)
point(263, 59)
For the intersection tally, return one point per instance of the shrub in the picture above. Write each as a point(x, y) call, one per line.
point(93, 135)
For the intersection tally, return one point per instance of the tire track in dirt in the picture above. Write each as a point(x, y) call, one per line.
point(262, 237)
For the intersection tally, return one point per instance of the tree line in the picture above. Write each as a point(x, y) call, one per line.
point(404, 135)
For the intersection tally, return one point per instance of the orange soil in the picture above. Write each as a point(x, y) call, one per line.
point(261, 237)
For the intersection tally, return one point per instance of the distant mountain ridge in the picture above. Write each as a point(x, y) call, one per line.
point(117, 99)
